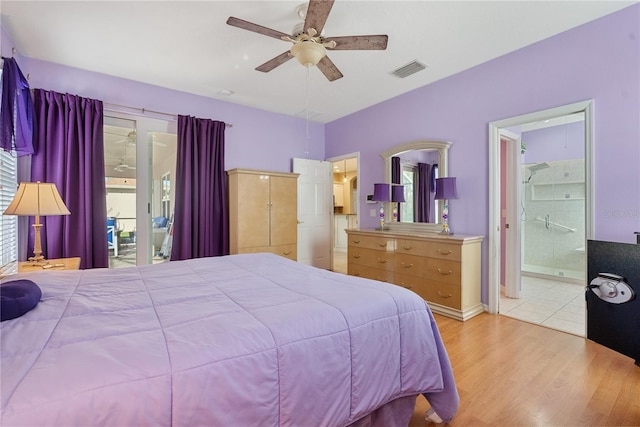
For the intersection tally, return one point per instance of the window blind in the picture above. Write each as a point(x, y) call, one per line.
point(8, 223)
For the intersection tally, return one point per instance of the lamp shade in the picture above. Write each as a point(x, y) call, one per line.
point(446, 188)
point(381, 192)
point(397, 193)
point(37, 198)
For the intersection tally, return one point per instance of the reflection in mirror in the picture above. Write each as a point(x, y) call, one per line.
point(414, 165)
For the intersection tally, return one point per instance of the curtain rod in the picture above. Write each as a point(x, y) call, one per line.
point(144, 110)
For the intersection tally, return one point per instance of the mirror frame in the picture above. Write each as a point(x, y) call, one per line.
point(443, 170)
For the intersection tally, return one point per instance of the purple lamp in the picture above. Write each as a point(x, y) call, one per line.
point(446, 190)
point(381, 194)
point(397, 197)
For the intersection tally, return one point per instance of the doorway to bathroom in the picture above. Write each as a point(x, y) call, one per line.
point(540, 205)
point(345, 206)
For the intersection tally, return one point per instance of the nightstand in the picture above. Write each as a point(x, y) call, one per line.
point(67, 264)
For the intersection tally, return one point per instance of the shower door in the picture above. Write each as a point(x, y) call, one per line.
point(553, 216)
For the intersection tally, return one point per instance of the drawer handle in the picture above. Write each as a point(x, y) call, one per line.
point(287, 252)
point(382, 280)
point(444, 274)
point(447, 252)
point(382, 245)
point(406, 265)
point(444, 296)
point(356, 274)
point(406, 286)
point(356, 241)
point(382, 261)
point(356, 256)
point(407, 248)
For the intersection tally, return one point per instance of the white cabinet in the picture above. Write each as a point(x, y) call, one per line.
point(343, 222)
point(338, 195)
point(340, 239)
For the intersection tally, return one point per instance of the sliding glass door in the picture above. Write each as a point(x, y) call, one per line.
point(140, 157)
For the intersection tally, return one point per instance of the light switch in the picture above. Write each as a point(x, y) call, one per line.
point(372, 212)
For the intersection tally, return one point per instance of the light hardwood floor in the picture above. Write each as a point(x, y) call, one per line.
point(512, 373)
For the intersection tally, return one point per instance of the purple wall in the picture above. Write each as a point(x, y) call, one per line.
point(257, 140)
point(563, 142)
point(599, 60)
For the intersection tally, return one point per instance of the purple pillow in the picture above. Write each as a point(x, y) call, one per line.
point(17, 298)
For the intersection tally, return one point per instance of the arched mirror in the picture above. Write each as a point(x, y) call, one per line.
point(413, 159)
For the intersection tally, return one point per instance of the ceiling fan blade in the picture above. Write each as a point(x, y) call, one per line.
point(275, 62)
point(374, 42)
point(329, 69)
point(317, 14)
point(246, 25)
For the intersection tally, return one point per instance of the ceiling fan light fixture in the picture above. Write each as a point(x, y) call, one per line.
point(308, 53)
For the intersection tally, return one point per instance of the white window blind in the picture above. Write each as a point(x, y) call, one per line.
point(8, 223)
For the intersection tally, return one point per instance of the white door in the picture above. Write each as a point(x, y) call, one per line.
point(315, 190)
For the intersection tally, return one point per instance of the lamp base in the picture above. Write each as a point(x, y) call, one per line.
point(445, 229)
point(37, 260)
point(383, 229)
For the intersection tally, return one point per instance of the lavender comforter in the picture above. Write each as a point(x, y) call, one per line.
point(241, 340)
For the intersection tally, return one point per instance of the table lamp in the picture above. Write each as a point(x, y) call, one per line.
point(381, 194)
point(446, 190)
point(37, 199)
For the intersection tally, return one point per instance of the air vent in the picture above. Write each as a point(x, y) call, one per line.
point(411, 68)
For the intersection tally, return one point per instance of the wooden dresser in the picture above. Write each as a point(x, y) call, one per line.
point(444, 270)
point(263, 212)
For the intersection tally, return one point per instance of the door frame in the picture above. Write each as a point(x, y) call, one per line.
point(494, 185)
point(513, 193)
point(355, 155)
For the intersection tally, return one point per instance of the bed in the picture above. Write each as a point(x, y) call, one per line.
point(239, 340)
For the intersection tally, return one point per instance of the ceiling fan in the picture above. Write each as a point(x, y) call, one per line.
point(309, 45)
point(122, 166)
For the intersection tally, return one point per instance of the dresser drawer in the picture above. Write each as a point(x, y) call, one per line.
point(370, 273)
point(412, 247)
point(443, 270)
point(413, 283)
point(446, 294)
point(448, 251)
point(371, 258)
point(410, 264)
point(380, 243)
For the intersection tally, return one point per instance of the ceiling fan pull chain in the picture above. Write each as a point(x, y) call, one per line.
point(308, 138)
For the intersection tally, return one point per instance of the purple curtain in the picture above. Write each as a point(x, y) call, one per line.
point(16, 112)
point(396, 178)
point(201, 222)
point(69, 152)
point(396, 170)
point(423, 194)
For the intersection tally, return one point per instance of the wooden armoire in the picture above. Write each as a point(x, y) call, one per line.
point(263, 212)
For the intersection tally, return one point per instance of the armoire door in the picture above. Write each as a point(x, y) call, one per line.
point(253, 210)
point(284, 210)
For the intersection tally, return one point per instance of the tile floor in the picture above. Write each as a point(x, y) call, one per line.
point(554, 304)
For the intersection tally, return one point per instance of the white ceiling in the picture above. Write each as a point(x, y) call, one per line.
point(187, 46)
